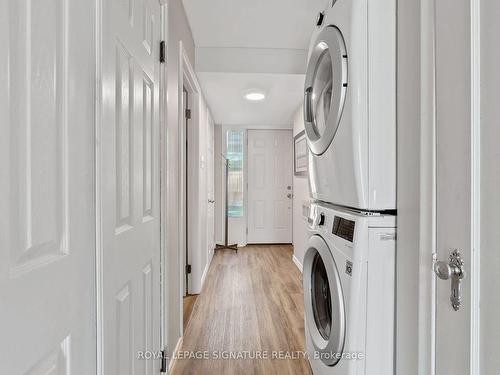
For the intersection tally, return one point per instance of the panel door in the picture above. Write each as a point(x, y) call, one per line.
point(270, 186)
point(129, 186)
point(47, 221)
point(210, 185)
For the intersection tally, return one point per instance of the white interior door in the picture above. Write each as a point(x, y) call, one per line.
point(454, 176)
point(47, 225)
point(210, 185)
point(129, 186)
point(270, 169)
point(467, 175)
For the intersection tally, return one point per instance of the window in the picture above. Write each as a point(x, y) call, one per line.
point(234, 147)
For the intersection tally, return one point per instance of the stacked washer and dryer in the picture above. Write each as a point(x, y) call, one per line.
point(350, 123)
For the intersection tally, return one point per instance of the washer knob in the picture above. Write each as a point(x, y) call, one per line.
point(321, 220)
point(320, 18)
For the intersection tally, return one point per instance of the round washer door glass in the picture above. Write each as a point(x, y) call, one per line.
point(323, 301)
point(321, 297)
point(325, 89)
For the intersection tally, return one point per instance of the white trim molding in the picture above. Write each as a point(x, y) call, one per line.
point(297, 263)
point(207, 267)
point(475, 329)
point(427, 280)
point(97, 180)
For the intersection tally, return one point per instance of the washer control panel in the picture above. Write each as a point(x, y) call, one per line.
point(343, 228)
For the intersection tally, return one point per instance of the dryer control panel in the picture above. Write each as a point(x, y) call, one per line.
point(343, 228)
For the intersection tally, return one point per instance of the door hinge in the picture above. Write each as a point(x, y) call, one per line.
point(188, 114)
point(163, 366)
point(247, 230)
point(188, 268)
point(162, 51)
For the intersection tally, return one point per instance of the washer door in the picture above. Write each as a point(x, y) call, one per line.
point(323, 302)
point(325, 89)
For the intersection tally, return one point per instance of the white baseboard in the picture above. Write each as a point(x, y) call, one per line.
point(297, 263)
point(207, 266)
point(174, 354)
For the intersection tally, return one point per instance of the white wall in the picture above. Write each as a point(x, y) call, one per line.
point(300, 197)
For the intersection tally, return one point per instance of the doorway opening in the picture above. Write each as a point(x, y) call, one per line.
point(193, 197)
point(188, 298)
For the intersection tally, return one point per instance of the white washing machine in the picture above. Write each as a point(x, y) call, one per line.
point(349, 291)
point(350, 105)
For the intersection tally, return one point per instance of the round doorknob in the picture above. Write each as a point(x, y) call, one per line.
point(442, 270)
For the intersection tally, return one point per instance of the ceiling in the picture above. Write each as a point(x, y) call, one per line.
point(252, 23)
point(224, 92)
point(259, 44)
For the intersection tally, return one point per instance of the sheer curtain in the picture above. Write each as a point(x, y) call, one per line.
point(235, 179)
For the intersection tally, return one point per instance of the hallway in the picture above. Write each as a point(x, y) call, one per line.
point(252, 302)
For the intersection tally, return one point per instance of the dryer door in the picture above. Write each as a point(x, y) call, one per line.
point(325, 89)
point(323, 302)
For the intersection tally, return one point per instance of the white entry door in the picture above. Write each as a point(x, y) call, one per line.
point(47, 221)
point(128, 184)
point(270, 169)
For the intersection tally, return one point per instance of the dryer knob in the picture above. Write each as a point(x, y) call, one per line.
point(320, 19)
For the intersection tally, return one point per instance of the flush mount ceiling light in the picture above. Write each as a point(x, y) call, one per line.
point(254, 95)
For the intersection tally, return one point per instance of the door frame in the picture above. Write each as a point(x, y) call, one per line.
point(185, 181)
point(164, 24)
point(162, 165)
point(188, 79)
point(219, 190)
point(416, 346)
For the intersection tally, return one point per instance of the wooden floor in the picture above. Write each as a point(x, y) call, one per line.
point(251, 305)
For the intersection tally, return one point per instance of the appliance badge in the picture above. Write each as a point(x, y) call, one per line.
point(348, 268)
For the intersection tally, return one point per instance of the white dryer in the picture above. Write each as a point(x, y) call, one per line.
point(350, 105)
point(349, 291)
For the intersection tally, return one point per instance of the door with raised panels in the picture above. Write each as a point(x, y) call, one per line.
point(270, 186)
point(47, 220)
point(128, 184)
